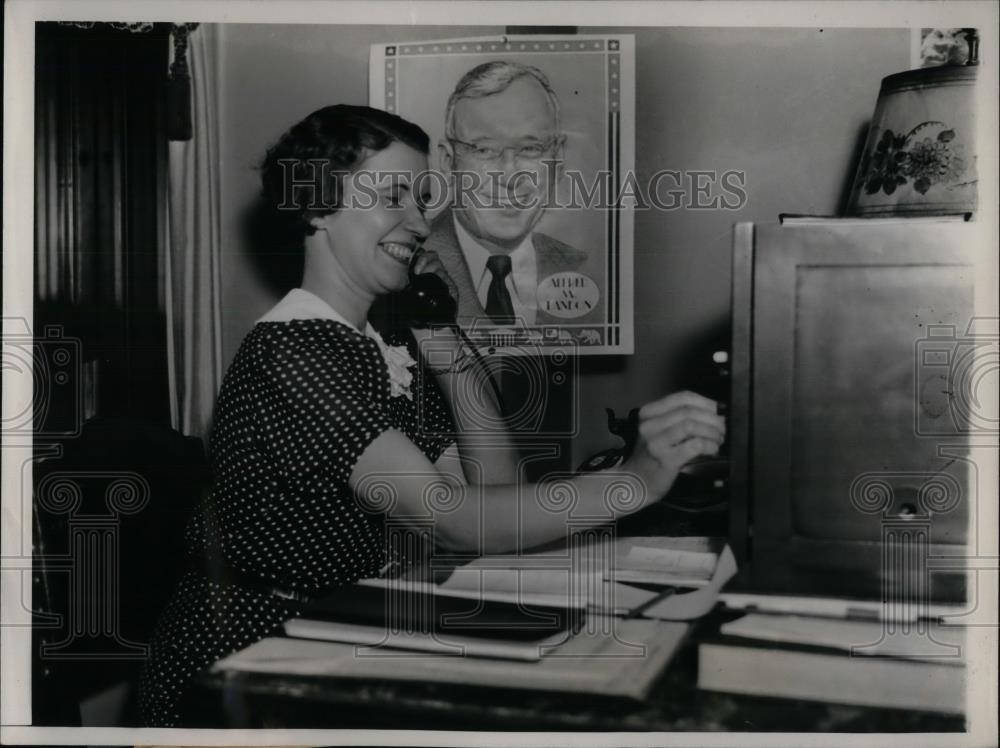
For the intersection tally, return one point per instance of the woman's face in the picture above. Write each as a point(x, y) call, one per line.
point(381, 220)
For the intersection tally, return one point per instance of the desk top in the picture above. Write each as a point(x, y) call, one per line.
point(280, 700)
point(269, 700)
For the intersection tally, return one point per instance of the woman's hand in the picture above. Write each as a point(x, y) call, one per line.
point(673, 431)
point(427, 261)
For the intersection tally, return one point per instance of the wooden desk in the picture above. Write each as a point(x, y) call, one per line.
point(675, 704)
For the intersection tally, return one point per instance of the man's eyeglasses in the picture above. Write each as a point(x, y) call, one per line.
point(486, 152)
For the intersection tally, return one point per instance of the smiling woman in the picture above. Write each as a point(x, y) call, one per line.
point(324, 429)
point(311, 385)
point(364, 249)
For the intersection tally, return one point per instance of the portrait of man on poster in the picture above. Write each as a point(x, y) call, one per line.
point(503, 149)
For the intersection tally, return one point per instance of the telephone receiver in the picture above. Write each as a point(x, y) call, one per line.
point(426, 302)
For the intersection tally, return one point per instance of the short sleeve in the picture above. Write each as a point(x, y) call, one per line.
point(322, 400)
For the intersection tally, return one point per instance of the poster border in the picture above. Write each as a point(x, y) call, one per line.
point(616, 49)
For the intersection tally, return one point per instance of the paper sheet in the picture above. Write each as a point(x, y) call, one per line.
point(561, 587)
point(555, 578)
point(833, 607)
point(689, 605)
point(667, 562)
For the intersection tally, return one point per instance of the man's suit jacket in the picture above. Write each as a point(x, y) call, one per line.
point(532, 407)
point(552, 256)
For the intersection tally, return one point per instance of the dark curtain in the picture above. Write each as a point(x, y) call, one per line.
point(100, 216)
point(100, 187)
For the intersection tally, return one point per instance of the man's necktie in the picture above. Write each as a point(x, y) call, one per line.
point(498, 304)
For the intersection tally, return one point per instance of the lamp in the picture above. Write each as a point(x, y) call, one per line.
point(920, 156)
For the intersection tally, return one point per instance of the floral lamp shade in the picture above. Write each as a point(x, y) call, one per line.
point(920, 154)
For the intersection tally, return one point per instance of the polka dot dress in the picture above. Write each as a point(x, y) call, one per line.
point(301, 402)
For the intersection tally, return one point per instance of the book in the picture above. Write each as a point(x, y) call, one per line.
point(929, 642)
point(608, 657)
point(844, 662)
point(371, 637)
point(421, 620)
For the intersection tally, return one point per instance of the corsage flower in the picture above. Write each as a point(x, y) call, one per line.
point(399, 362)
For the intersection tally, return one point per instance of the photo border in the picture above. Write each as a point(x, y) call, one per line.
point(17, 289)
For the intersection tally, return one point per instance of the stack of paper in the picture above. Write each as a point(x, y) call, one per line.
point(916, 665)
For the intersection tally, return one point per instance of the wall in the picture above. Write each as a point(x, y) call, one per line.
point(787, 107)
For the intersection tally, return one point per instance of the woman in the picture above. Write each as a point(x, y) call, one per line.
point(320, 420)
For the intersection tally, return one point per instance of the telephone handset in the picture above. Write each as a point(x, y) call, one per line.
point(426, 302)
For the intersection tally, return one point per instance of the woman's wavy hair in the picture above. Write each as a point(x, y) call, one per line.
point(302, 174)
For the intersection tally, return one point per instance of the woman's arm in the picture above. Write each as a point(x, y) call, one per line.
point(394, 476)
point(487, 452)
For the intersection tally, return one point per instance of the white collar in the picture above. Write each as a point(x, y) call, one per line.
point(301, 304)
